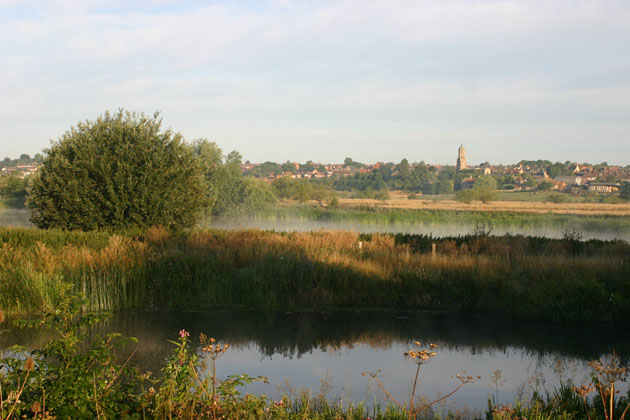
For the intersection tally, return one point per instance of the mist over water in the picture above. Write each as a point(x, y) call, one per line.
point(20, 218)
point(15, 217)
point(436, 230)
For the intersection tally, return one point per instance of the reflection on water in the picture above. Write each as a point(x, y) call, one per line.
point(304, 347)
point(437, 230)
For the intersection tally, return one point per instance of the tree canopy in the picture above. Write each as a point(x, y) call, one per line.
point(117, 172)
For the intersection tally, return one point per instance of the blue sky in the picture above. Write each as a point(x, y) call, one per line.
point(322, 80)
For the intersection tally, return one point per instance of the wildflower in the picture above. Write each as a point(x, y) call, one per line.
point(183, 333)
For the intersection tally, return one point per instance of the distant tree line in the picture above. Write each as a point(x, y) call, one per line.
point(24, 159)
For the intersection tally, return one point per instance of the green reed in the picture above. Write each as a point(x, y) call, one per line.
point(377, 215)
point(565, 280)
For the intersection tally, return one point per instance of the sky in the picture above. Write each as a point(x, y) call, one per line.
point(323, 80)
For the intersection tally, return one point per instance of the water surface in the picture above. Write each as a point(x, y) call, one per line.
point(303, 349)
point(20, 218)
point(435, 229)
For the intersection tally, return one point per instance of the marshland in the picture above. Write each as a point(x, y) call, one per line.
point(312, 311)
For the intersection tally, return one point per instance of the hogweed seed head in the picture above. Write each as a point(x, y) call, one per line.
point(36, 407)
point(29, 364)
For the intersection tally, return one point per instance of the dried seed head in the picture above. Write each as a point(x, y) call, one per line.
point(29, 364)
point(36, 407)
point(2, 317)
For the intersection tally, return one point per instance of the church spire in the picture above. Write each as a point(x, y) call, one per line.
point(461, 158)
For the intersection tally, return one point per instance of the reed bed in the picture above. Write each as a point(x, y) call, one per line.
point(435, 216)
point(564, 280)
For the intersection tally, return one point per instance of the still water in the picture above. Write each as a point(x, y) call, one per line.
point(20, 218)
point(303, 349)
point(435, 229)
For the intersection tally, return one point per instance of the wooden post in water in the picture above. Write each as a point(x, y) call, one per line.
point(433, 250)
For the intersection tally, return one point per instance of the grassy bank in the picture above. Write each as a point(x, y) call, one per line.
point(398, 216)
point(557, 280)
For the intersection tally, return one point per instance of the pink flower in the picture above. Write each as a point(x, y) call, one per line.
point(184, 333)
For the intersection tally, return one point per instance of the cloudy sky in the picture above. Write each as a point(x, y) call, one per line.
point(326, 79)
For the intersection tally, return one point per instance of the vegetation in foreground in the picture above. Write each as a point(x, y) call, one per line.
point(561, 280)
point(78, 376)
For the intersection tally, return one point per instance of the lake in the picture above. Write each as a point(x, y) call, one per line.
point(307, 349)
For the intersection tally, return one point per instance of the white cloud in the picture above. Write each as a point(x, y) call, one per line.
point(337, 73)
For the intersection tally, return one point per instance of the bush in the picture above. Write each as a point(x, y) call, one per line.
point(557, 198)
point(612, 199)
point(118, 172)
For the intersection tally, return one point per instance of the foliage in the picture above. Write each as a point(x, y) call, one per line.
point(120, 171)
point(482, 193)
point(557, 197)
point(13, 190)
point(302, 190)
point(545, 186)
point(72, 376)
point(624, 192)
point(228, 191)
point(12, 185)
point(564, 280)
point(24, 159)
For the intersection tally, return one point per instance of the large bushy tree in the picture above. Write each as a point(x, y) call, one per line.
point(117, 172)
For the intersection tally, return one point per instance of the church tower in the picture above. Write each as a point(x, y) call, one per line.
point(461, 158)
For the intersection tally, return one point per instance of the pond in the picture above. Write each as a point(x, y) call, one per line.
point(327, 351)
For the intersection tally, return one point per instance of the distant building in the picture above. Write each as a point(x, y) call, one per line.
point(604, 187)
point(461, 158)
point(569, 180)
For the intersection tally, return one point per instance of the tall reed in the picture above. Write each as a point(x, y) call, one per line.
point(562, 280)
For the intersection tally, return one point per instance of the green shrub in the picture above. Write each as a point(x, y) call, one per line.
point(118, 172)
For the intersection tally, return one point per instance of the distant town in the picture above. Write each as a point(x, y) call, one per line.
point(426, 178)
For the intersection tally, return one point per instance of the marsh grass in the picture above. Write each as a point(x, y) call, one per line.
point(507, 218)
point(565, 280)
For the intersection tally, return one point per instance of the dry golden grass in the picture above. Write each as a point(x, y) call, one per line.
point(507, 206)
